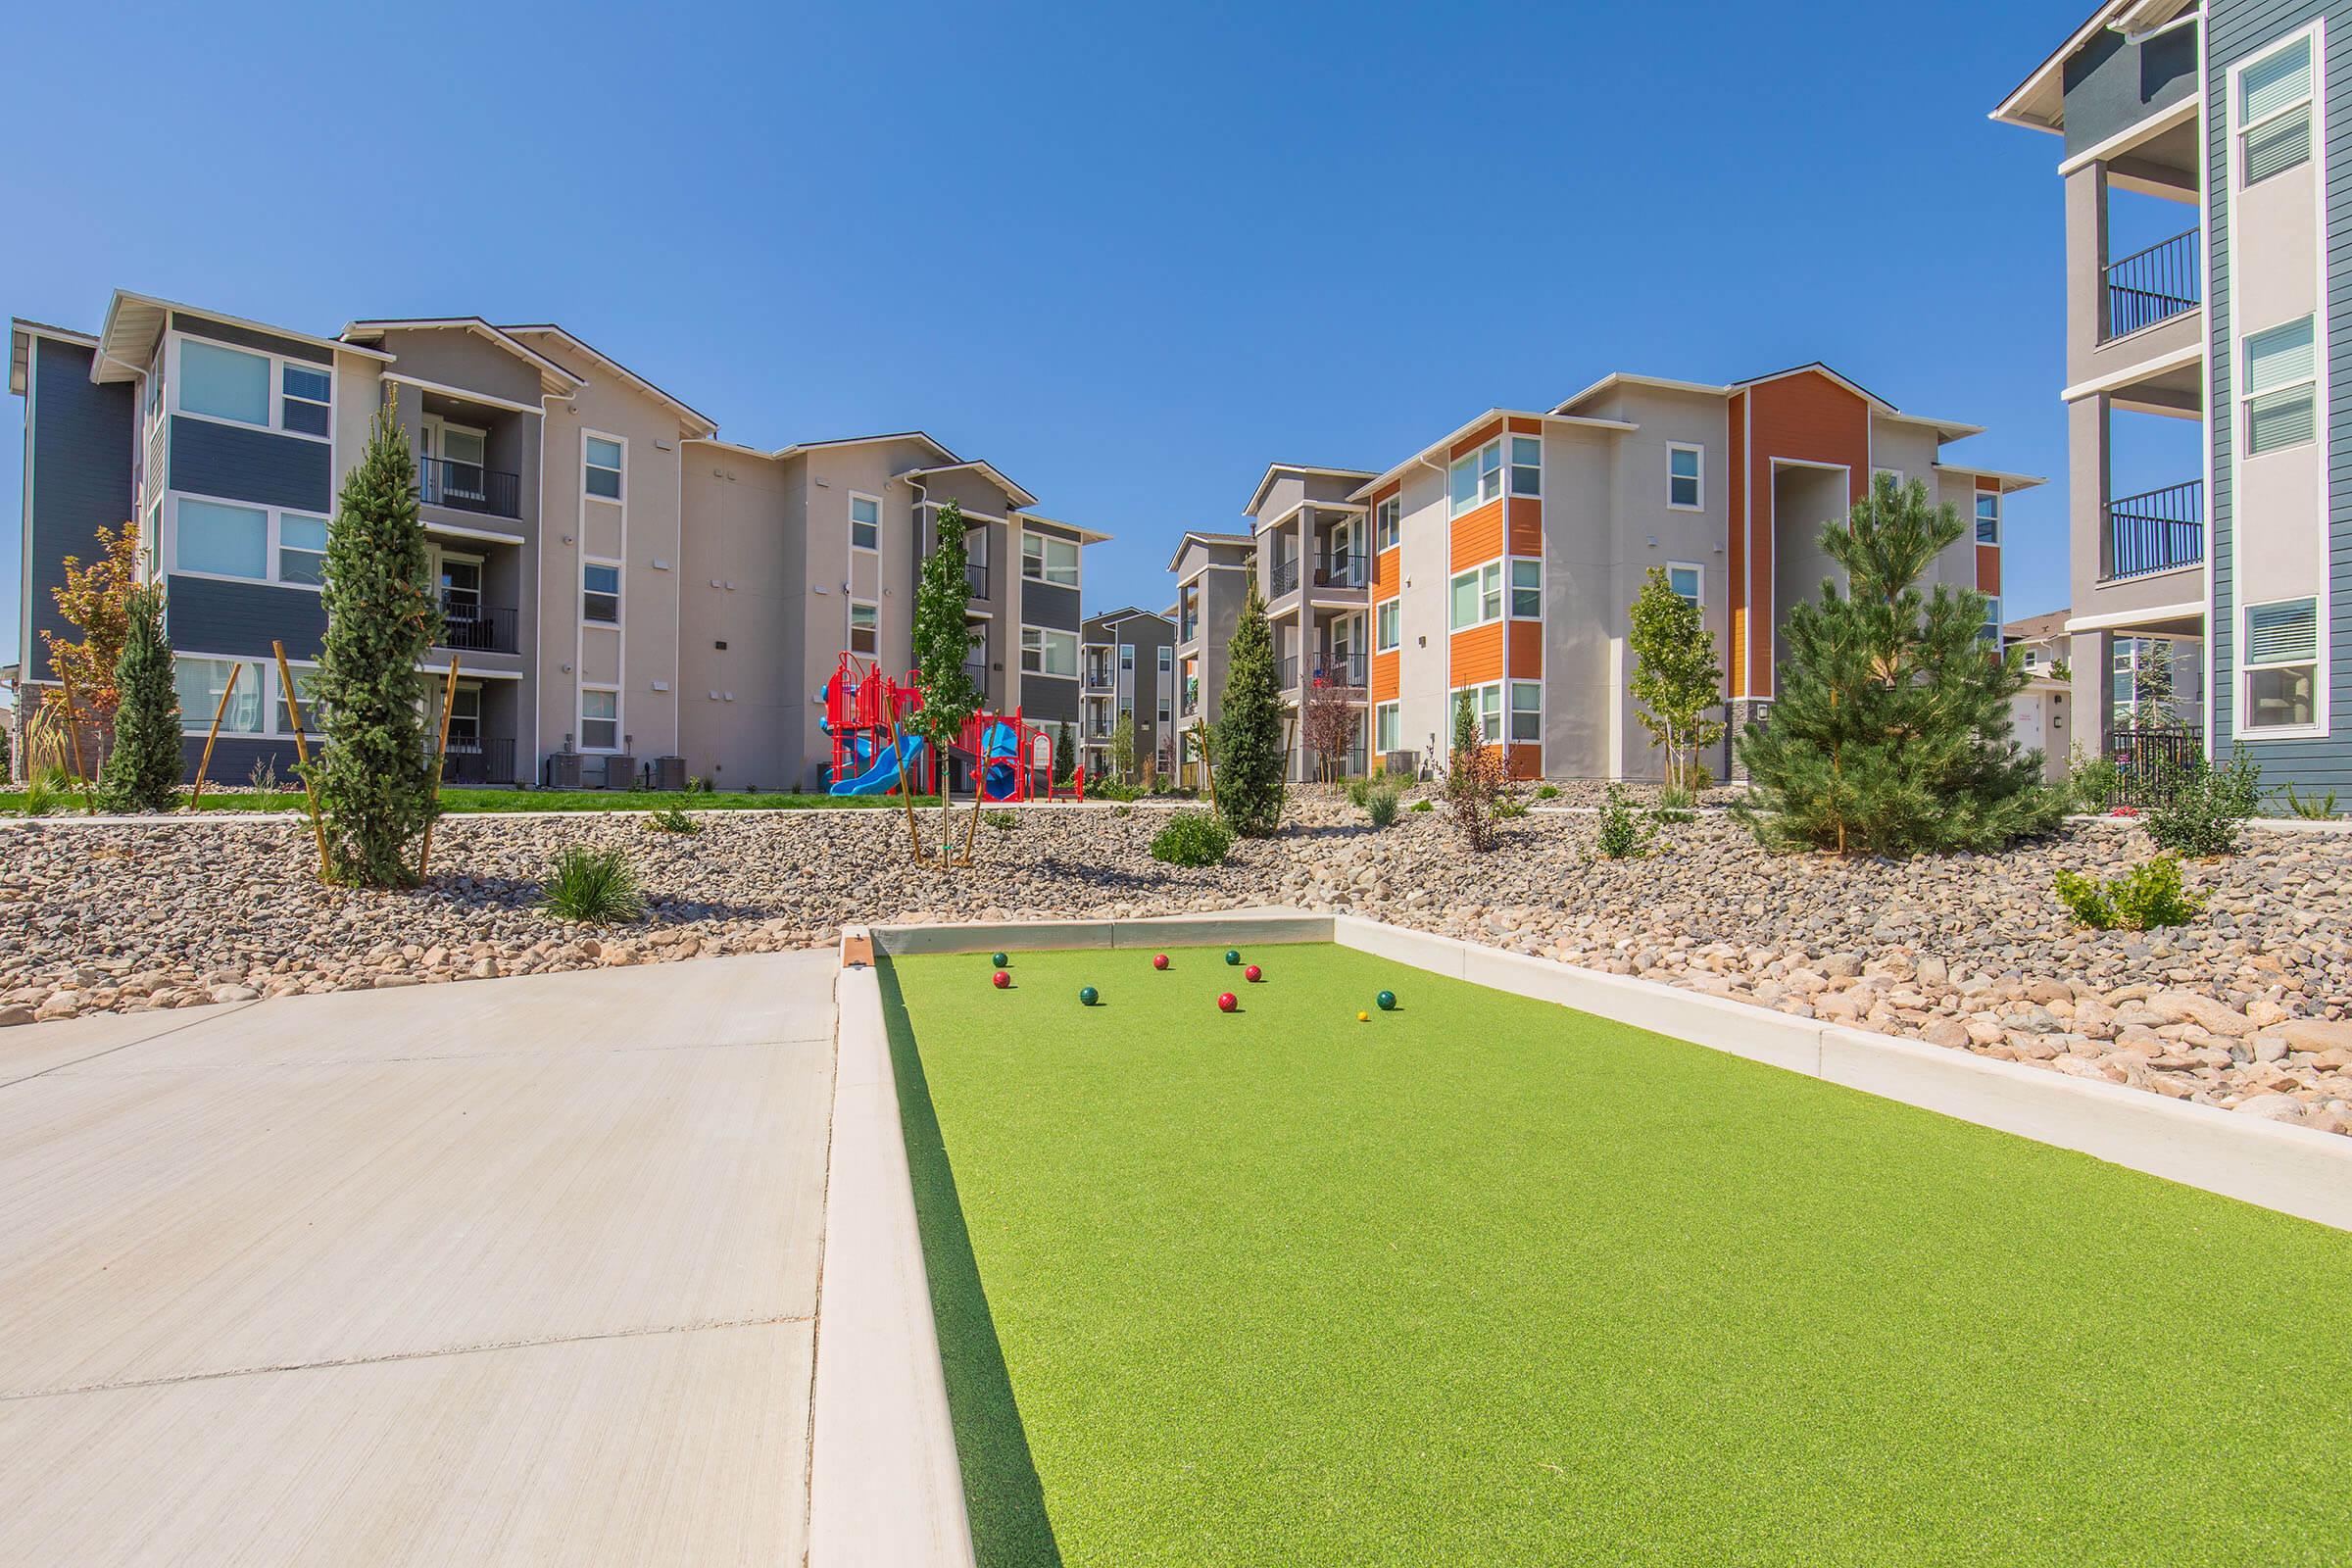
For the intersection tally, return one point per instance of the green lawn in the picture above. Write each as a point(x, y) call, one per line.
point(466, 802)
point(1486, 1281)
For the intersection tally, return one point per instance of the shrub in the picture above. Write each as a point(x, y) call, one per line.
point(2142, 898)
point(673, 820)
point(1548, 791)
point(2311, 809)
point(2091, 782)
point(1509, 806)
point(1001, 821)
point(1623, 834)
point(1110, 789)
point(262, 779)
point(695, 784)
point(1193, 838)
point(1478, 779)
point(142, 771)
point(1380, 803)
point(1360, 793)
point(2202, 807)
point(1674, 801)
point(47, 793)
point(1424, 806)
point(598, 886)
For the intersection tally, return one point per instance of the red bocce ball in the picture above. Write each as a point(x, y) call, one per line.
point(1159, 960)
point(1226, 1002)
point(1252, 974)
point(1000, 980)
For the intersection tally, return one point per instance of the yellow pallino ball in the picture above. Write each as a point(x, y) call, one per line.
point(1363, 1017)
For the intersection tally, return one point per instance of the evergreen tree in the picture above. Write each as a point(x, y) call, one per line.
point(1465, 729)
point(1250, 759)
point(1890, 732)
point(1675, 680)
point(374, 777)
point(942, 642)
point(142, 771)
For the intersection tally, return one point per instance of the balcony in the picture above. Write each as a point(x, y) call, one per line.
point(475, 759)
point(2151, 287)
point(1345, 671)
point(474, 627)
point(2159, 531)
point(469, 487)
point(1322, 572)
point(975, 579)
point(1099, 679)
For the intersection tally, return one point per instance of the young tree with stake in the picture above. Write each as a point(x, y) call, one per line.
point(942, 642)
point(1675, 680)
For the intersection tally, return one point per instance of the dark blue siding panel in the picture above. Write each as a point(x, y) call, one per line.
point(235, 464)
point(2113, 84)
point(1049, 604)
point(234, 757)
point(241, 618)
point(246, 337)
point(1047, 700)
point(81, 457)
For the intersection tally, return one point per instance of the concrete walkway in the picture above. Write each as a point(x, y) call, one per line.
point(513, 1271)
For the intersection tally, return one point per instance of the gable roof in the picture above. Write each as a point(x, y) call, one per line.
point(1192, 536)
point(2033, 628)
point(554, 379)
point(135, 323)
point(1258, 496)
point(1462, 432)
point(691, 419)
point(1946, 429)
point(986, 470)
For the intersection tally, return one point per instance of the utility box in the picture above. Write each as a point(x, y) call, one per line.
point(1401, 764)
point(562, 771)
point(621, 772)
point(669, 773)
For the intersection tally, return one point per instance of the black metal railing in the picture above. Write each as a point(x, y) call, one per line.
point(2153, 285)
point(1318, 766)
point(1098, 729)
point(975, 579)
point(1341, 570)
point(1099, 680)
point(477, 628)
point(478, 760)
point(2156, 530)
point(1284, 576)
point(469, 487)
point(1319, 669)
point(2148, 762)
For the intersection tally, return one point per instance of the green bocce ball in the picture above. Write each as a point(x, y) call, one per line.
point(1386, 1001)
point(1233, 955)
point(999, 961)
point(1088, 995)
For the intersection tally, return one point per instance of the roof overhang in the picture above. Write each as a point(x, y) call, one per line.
point(691, 420)
point(986, 470)
point(2039, 103)
point(21, 335)
point(802, 448)
point(1462, 432)
point(1207, 541)
point(554, 379)
point(2009, 484)
point(1662, 383)
point(1258, 498)
point(1086, 535)
point(135, 323)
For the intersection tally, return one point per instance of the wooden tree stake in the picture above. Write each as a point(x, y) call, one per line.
point(89, 802)
point(236, 667)
point(302, 756)
point(448, 703)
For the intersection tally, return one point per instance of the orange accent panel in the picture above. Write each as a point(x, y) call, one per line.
point(1527, 526)
point(1527, 426)
point(1392, 487)
point(1523, 760)
point(1387, 571)
point(1476, 656)
point(1527, 649)
point(1988, 568)
point(1993, 485)
point(1386, 679)
point(1737, 501)
point(1477, 536)
point(1810, 418)
point(1471, 443)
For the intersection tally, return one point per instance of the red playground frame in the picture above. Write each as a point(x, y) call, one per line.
point(864, 711)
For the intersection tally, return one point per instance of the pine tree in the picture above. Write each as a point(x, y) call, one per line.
point(943, 643)
point(142, 771)
point(1676, 679)
point(1465, 729)
point(1891, 731)
point(1250, 759)
point(374, 777)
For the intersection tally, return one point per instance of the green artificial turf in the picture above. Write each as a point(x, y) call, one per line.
point(1487, 1281)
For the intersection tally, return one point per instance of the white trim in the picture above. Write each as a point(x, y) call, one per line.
point(2114, 620)
point(579, 719)
point(619, 561)
point(175, 384)
point(274, 520)
point(2133, 135)
point(464, 394)
point(1021, 652)
point(2114, 380)
point(849, 516)
point(1502, 594)
point(273, 698)
point(1673, 567)
point(1077, 560)
point(1673, 447)
point(484, 535)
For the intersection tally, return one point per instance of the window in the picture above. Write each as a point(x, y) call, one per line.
point(1388, 524)
point(1476, 477)
point(1989, 516)
point(1126, 659)
point(223, 383)
point(1166, 707)
point(1478, 596)
point(1387, 618)
point(1485, 710)
point(1526, 712)
point(1047, 652)
point(865, 629)
point(2282, 665)
point(1167, 659)
point(305, 396)
point(600, 594)
point(1688, 583)
point(199, 683)
point(1682, 476)
point(601, 466)
point(221, 540)
point(866, 523)
point(600, 719)
point(1048, 557)
point(301, 549)
point(1527, 465)
point(1527, 590)
point(1894, 477)
point(1991, 631)
point(2273, 113)
point(1386, 730)
point(2281, 370)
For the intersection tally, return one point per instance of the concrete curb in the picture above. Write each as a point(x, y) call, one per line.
point(884, 1484)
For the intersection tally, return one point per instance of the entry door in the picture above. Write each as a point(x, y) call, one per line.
point(466, 717)
point(461, 579)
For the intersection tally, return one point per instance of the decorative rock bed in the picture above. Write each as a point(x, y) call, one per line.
point(2249, 1008)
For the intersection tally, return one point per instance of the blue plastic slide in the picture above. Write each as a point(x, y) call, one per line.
point(881, 775)
point(999, 749)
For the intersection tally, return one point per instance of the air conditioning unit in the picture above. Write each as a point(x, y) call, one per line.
point(621, 772)
point(669, 773)
point(561, 770)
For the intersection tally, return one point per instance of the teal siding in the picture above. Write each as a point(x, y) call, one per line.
point(80, 446)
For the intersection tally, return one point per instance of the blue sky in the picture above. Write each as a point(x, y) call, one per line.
point(1129, 254)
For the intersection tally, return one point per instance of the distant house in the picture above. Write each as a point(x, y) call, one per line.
point(2038, 714)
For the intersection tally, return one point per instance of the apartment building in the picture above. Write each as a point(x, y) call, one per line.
point(2201, 253)
point(1212, 572)
point(1127, 658)
point(616, 584)
point(1501, 559)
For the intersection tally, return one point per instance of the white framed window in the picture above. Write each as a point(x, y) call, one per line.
point(1894, 477)
point(1992, 629)
point(603, 461)
point(306, 398)
point(1485, 710)
point(865, 629)
point(1126, 659)
point(1167, 658)
point(1688, 583)
point(599, 719)
point(1684, 465)
point(2273, 113)
point(865, 522)
point(1527, 465)
point(1526, 712)
point(1989, 516)
point(2281, 667)
point(1388, 619)
point(1476, 595)
point(1476, 477)
point(1049, 558)
point(301, 549)
point(2279, 370)
point(1387, 726)
point(1388, 524)
point(1526, 588)
point(256, 544)
point(224, 383)
point(1167, 706)
point(599, 593)
point(199, 683)
point(1048, 651)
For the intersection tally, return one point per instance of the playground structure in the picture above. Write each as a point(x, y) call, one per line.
point(865, 715)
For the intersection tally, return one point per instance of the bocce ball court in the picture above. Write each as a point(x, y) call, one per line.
point(1485, 1279)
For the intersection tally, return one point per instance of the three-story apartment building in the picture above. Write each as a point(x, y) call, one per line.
point(1212, 572)
point(1499, 561)
point(2239, 566)
point(1127, 658)
point(616, 583)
